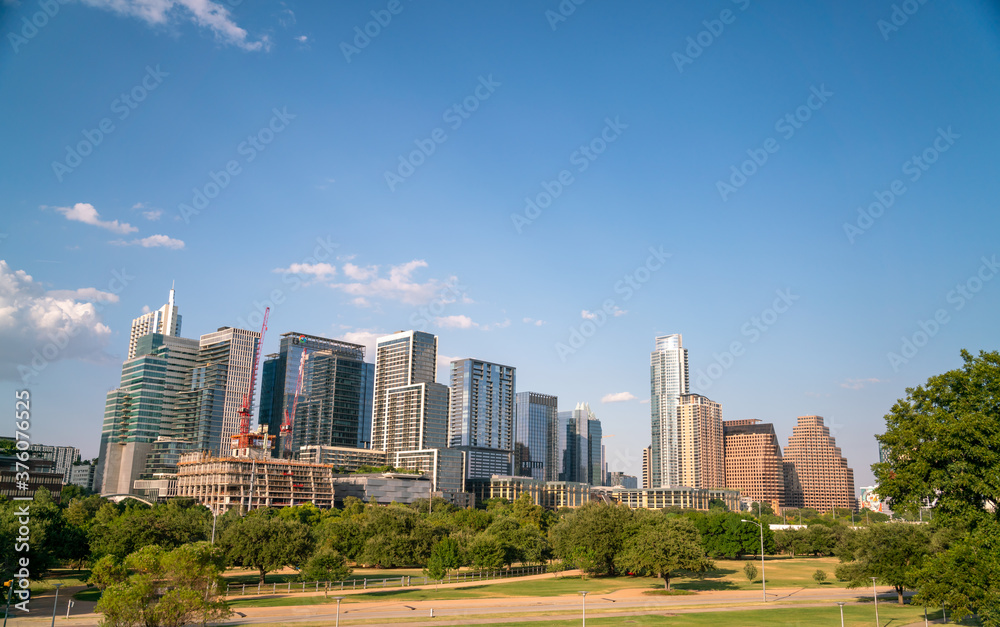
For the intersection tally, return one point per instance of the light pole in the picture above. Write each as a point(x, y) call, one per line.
point(875, 595)
point(583, 593)
point(763, 579)
point(338, 600)
point(54, 604)
point(215, 514)
point(841, 604)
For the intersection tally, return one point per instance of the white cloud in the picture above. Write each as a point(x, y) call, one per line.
point(321, 271)
point(37, 328)
point(857, 384)
point(617, 397)
point(588, 315)
point(537, 323)
point(91, 294)
point(644, 401)
point(302, 39)
point(365, 337)
point(455, 322)
point(153, 241)
point(86, 213)
point(359, 273)
point(204, 13)
point(398, 285)
point(148, 212)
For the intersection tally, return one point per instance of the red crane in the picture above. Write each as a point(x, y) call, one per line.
point(286, 426)
point(246, 410)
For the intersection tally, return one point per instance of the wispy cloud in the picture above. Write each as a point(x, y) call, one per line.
point(150, 213)
point(617, 397)
point(203, 13)
point(86, 213)
point(153, 241)
point(369, 283)
point(537, 323)
point(320, 271)
point(590, 315)
point(89, 294)
point(857, 384)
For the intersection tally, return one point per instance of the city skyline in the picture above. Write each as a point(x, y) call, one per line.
point(802, 193)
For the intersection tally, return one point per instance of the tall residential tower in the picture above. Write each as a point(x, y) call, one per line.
point(668, 380)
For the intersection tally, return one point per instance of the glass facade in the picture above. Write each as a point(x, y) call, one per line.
point(668, 379)
point(535, 438)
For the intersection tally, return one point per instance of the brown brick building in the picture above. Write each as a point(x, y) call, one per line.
point(816, 473)
point(753, 461)
point(699, 443)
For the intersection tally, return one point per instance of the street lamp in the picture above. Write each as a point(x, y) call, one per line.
point(54, 604)
point(763, 579)
point(338, 600)
point(584, 594)
point(875, 595)
point(841, 604)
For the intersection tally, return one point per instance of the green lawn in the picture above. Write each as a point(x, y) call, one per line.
point(728, 575)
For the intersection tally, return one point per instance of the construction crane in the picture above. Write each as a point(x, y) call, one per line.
point(243, 439)
point(286, 425)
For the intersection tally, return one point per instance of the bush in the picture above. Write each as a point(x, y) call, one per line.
point(750, 570)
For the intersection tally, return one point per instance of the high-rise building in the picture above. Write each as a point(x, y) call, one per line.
point(481, 421)
point(580, 442)
point(410, 410)
point(165, 321)
point(816, 473)
point(754, 462)
point(647, 467)
point(700, 462)
point(319, 385)
point(367, 405)
point(668, 380)
point(618, 478)
point(219, 382)
point(535, 424)
point(63, 456)
point(146, 405)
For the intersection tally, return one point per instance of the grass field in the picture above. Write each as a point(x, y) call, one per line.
point(728, 575)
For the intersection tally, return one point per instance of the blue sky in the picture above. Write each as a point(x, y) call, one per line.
point(624, 132)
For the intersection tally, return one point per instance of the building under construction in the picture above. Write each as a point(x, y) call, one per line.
point(250, 482)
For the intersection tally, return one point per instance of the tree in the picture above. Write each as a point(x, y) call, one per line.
point(664, 546)
point(597, 527)
point(750, 570)
point(157, 588)
point(819, 576)
point(965, 576)
point(486, 551)
point(942, 443)
point(266, 543)
point(891, 552)
point(326, 565)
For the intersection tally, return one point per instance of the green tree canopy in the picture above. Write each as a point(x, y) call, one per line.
point(264, 542)
point(891, 552)
point(662, 546)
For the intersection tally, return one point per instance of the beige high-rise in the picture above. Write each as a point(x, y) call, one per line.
point(753, 461)
point(816, 473)
point(647, 467)
point(699, 443)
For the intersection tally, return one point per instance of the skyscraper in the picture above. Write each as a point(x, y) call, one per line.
point(668, 380)
point(580, 435)
point(700, 462)
point(481, 420)
point(165, 320)
point(754, 462)
point(647, 477)
point(410, 410)
point(321, 389)
point(535, 438)
point(146, 405)
point(816, 473)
